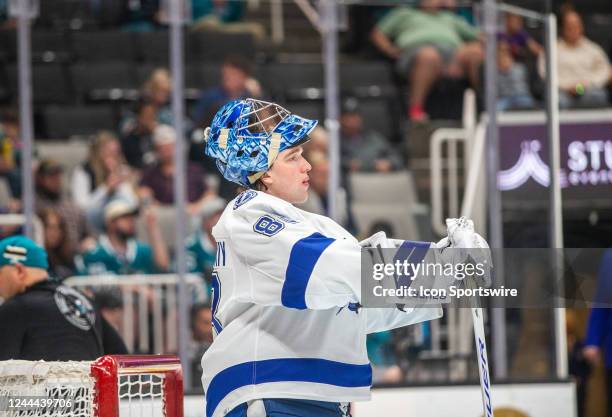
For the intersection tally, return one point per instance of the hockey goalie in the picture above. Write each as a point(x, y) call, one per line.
point(290, 333)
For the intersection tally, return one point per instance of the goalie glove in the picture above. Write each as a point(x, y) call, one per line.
point(467, 246)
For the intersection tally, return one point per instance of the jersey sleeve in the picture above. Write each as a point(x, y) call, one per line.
point(291, 264)
point(380, 319)
point(12, 330)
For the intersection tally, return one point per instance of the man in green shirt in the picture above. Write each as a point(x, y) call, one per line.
point(118, 251)
point(427, 43)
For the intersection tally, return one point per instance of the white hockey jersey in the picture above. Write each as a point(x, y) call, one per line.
point(285, 286)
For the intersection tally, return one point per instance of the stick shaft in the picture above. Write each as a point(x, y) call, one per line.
point(483, 361)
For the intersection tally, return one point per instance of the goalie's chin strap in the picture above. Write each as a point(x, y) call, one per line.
point(275, 141)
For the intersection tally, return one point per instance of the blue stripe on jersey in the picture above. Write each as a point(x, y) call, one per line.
point(314, 370)
point(413, 252)
point(304, 256)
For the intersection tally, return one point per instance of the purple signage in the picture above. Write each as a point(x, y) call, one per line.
point(586, 161)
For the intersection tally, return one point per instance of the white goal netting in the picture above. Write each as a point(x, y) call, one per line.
point(141, 394)
point(46, 389)
point(105, 388)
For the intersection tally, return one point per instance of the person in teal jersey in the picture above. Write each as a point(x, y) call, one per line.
point(201, 246)
point(118, 251)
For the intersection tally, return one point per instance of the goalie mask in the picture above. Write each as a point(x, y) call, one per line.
point(247, 135)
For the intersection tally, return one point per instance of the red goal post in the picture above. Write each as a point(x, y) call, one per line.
point(110, 386)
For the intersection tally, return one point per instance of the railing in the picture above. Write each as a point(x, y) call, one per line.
point(149, 306)
point(472, 138)
point(455, 335)
point(20, 220)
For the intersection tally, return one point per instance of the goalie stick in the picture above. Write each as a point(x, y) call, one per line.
point(481, 353)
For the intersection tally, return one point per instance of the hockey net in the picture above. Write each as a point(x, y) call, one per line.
point(112, 386)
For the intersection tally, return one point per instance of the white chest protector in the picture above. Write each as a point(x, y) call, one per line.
point(286, 285)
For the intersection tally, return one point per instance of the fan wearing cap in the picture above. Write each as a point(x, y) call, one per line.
point(117, 251)
point(42, 319)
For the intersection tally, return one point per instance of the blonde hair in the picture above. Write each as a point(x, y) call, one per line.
point(102, 138)
point(158, 77)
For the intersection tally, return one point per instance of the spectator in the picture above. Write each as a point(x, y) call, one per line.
point(141, 15)
point(157, 183)
point(10, 152)
point(42, 319)
point(201, 247)
point(598, 341)
point(201, 339)
point(156, 90)
point(364, 149)
point(118, 252)
point(7, 22)
point(582, 65)
point(59, 250)
point(319, 141)
point(105, 176)
point(520, 42)
point(317, 193)
point(236, 82)
point(218, 11)
point(49, 187)
point(224, 16)
point(427, 43)
point(513, 87)
point(136, 132)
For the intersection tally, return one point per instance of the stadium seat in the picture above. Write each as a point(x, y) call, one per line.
point(374, 188)
point(5, 192)
point(314, 109)
point(66, 14)
point(68, 153)
point(50, 46)
point(47, 46)
point(166, 219)
point(104, 46)
point(597, 28)
point(191, 74)
point(67, 121)
point(388, 197)
point(49, 83)
point(367, 79)
point(8, 45)
point(154, 47)
point(400, 218)
point(209, 75)
point(5, 88)
point(294, 81)
point(105, 81)
point(378, 115)
point(206, 46)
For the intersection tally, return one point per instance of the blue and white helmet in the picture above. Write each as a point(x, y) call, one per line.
point(247, 135)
